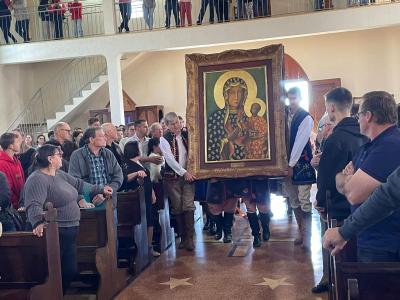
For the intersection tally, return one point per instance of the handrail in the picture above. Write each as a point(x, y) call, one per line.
point(52, 97)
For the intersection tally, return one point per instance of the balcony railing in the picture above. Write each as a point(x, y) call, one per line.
point(49, 22)
point(145, 15)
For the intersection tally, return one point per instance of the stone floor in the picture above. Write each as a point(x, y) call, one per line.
point(278, 270)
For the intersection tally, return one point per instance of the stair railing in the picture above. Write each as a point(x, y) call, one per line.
point(76, 76)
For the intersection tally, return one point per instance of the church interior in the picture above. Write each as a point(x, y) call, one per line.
point(138, 80)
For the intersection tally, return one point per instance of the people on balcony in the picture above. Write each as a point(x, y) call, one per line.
point(57, 11)
point(125, 8)
point(186, 11)
point(22, 19)
point(148, 12)
point(75, 8)
point(44, 15)
point(171, 6)
point(5, 20)
point(203, 8)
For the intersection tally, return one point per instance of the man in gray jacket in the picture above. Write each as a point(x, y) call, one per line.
point(96, 165)
point(382, 203)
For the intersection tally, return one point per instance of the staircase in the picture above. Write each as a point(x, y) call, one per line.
point(59, 97)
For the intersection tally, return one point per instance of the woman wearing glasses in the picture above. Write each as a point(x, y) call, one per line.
point(49, 184)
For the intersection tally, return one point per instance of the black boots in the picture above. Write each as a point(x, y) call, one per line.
point(228, 223)
point(255, 229)
point(264, 218)
point(219, 221)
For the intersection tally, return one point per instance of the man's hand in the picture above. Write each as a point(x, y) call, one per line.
point(108, 190)
point(290, 172)
point(189, 177)
point(315, 160)
point(141, 174)
point(38, 230)
point(153, 197)
point(155, 160)
point(349, 170)
point(321, 212)
point(333, 241)
point(21, 209)
point(98, 199)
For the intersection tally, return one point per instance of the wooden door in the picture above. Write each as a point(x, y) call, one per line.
point(318, 90)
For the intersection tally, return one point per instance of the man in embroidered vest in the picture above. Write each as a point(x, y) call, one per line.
point(178, 181)
point(301, 174)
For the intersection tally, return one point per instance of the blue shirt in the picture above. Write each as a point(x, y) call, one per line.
point(379, 159)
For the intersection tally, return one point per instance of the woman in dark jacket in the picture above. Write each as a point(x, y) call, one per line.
point(135, 175)
point(5, 203)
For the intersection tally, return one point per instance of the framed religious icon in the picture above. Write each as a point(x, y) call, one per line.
point(235, 114)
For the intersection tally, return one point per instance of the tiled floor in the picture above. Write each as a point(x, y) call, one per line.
point(278, 270)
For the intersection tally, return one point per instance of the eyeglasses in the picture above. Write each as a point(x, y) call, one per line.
point(357, 115)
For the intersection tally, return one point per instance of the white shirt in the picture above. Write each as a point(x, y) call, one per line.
point(302, 137)
point(178, 167)
point(142, 145)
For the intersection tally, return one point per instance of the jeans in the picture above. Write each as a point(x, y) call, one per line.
point(260, 8)
point(68, 237)
point(22, 28)
point(186, 11)
point(319, 4)
point(372, 255)
point(222, 10)
point(171, 6)
point(126, 11)
point(5, 25)
point(58, 27)
point(204, 4)
point(148, 13)
point(77, 26)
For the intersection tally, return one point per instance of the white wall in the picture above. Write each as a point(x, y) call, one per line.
point(364, 60)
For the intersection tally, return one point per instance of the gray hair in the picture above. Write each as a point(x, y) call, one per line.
point(153, 126)
point(169, 117)
point(59, 125)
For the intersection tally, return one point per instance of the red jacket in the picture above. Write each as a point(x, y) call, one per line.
point(76, 10)
point(11, 167)
point(57, 8)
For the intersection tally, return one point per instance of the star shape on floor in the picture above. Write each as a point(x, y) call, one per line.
point(274, 283)
point(174, 282)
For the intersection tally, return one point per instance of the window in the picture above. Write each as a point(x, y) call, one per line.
point(303, 86)
point(137, 9)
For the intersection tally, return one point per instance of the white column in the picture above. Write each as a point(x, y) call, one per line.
point(109, 16)
point(115, 89)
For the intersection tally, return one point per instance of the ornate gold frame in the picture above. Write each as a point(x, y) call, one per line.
point(270, 55)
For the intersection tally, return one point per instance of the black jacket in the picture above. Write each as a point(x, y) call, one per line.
point(339, 149)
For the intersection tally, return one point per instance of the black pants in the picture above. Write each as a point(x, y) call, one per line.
point(126, 11)
point(58, 27)
point(222, 10)
point(204, 4)
point(22, 28)
point(171, 6)
point(68, 237)
point(5, 25)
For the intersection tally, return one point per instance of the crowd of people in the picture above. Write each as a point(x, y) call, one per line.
point(81, 169)
point(50, 14)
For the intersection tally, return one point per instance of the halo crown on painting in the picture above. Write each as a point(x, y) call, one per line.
point(250, 102)
point(244, 75)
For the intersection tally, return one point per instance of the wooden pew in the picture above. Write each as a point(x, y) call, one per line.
point(97, 251)
point(167, 236)
point(354, 280)
point(129, 210)
point(30, 266)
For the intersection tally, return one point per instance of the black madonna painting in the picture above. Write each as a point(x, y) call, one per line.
point(235, 114)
